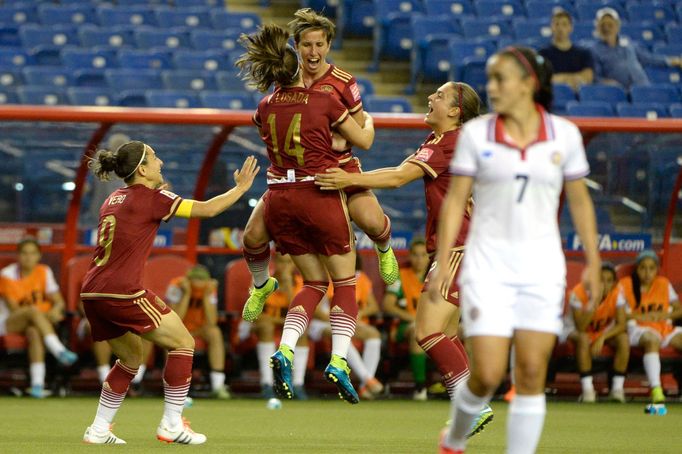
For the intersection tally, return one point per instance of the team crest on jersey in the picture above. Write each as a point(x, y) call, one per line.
point(424, 154)
point(327, 88)
point(556, 158)
point(486, 153)
point(169, 194)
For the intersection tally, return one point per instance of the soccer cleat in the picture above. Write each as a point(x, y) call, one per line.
point(617, 395)
point(281, 371)
point(365, 393)
point(38, 392)
point(484, 417)
point(183, 434)
point(388, 265)
point(442, 448)
point(657, 395)
point(222, 393)
point(300, 392)
point(338, 373)
point(420, 395)
point(93, 437)
point(374, 386)
point(257, 296)
point(67, 358)
point(509, 395)
point(588, 396)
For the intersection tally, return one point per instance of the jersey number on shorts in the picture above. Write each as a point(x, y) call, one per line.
point(524, 183)
point(292, 142)
point(105, 239)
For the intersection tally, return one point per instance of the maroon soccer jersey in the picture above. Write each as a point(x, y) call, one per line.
point(128, 221)
point(434, 157)
point(296, 125)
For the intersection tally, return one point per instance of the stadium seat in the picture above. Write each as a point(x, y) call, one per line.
point(365, 86)
point(10, 78)
point(430, 57)
point(444, 8)
point(18, 14)
point(586, 10)
point(246, 22)
point(9, 36)
point(499, 8)
point(393, 38)
point(543, 9)
point(57, 35)
point(198, 3)
point(185, 17)
point(160, 270)
point(114, 37)
point(531, 28)
point(126, 15)
point(90, 77)
point(227, 100)
point(644, 33)
point(144, 59)
point(132, 79)
point(562, 95)
point(8, 95)
point(89, 58)
point(583, 31)
point(675, 110)
point(670, 50)
point(664, 94)
point(76, 268)
point(473, 73)
point(657, 13)
point(650, 110)
point(598, 92)
point(48, 76)
point(66, 14)
point(172, 38)
point(490, 27)
point(674, 33)
point(209, 60)
point(90, 96)
point(214, 39)
point(390, 104)
point(231, 81)
point(589, 109)
point(42, 95)
point(361, 18)
point(14, 58)
point(172, 98)
point(189, 80)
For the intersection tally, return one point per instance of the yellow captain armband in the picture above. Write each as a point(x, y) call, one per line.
point(185, 208)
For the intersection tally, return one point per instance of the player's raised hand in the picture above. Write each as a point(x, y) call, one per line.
point(244, 177)
point(334, 179)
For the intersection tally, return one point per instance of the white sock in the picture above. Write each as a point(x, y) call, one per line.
point(356, 365)
point(137, 379)
point(618, 382)
point(524, 424)
point(464, 410)
point(54, 345)
point(652, 367)
point(102, 372)
point(371, 355)
point(265, 350)
point(217, 380)
point(260, 278)
point(341, 344)
point(586, 383)
point(300, 364)
point(37, 371)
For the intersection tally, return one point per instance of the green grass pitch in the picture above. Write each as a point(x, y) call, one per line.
point(329, 426)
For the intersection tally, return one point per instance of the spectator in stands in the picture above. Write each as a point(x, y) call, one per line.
point(617, 60)
point(653, 304)
point(401, 301)
point(194, 298)
point(272, 320)
point(572, 64)
point(592, 327)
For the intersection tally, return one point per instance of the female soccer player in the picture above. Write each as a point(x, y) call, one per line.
point(312, 226)
point(313, 34)
point(652, 304)
point(449, 107)
point(516, 160)
point(120, 310)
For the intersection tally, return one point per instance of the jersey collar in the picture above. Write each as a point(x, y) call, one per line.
point(545, 132)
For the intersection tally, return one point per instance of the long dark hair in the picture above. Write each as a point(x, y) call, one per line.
point(538, 68)
point(123, 162)
point(268, 59)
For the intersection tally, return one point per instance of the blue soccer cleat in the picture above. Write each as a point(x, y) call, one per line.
point(338, 373)
point(281, 371)
point(66, 358)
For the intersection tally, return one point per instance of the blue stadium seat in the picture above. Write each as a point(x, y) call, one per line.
point(563, 94)
point(663, 75)
point(48, 76)
point(227, 100)
point(126, 15)
point(42, 95)
point(441, 8)
point(491, 27)
point(171, 38)
point(57, 35)
point(14, 58)
point(48, 55)
point(90, 96)
point(197, 3)
point(654, 93)
point(468, 50)
point(674, 33)
point(190, 17)
point(543, 9)
point(209, 60)
point(172, 98)
point(587, 9)
point(657, 13)
point(361, 18)
point(390, 104)
point(132, 79)
point(394, 38)
point(214, 39)
point(89, 58)
point(598, 92)
point(90, 77)
point(145, 59)
point(365, 86)
point(230, 81)
point(642, 110)
point(10, 78)
point(18, 14)
point(430, 58)
point(9, 36)
point(531, 28)
point(500, 8)
point(189, 80)
point(589, 109)
point(120, 36)
point(8, 95)
point(675, 110)
point(66, 14)
point(670, 50)
point(473, 73)
point(643, 33)
point(246, 22)
point(583, 31)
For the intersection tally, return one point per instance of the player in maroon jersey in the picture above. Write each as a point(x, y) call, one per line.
point(449, 107)
point(120, 310)
point(312, 226)
point(313, 34)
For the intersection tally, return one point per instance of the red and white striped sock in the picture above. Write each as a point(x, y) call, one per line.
point(114, 390)
point(449, 358)
point(301, 311)
point(177, 377)
point(343, 315)
point(258, 262)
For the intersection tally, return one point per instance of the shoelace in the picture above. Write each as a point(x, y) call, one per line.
point(186, 424)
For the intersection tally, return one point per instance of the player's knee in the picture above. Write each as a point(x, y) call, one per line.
point(33, 336)
point(255, 235)
point(487, 380)
point(530, 375)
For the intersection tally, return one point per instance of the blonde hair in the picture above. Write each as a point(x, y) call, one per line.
point(306, 19)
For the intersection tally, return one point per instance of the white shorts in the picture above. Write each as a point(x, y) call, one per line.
point(316, 329)
point(635, 333)
point(495, 309)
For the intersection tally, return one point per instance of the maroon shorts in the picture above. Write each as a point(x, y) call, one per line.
point(353, 166)
point(113, 317)
point(449, 292)
point(303, 219)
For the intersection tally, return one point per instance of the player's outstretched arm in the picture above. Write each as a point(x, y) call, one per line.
point(388, 178)
point(213, 207)
point(362, 137)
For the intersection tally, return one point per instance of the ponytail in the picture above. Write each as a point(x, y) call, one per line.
point(123, 162)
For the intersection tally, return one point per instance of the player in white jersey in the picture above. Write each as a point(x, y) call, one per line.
point(516, 160)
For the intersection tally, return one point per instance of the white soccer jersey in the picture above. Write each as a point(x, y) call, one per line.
point(514, 234)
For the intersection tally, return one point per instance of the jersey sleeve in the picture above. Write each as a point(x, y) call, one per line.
point(257, 117)
point(575, 164)
point(465, 160)
point(336, 111)
point(51, 285)
point(431, 159)
point(351, 96)
point(164, 205)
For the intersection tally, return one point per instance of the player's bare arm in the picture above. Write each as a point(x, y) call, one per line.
point(391, 177)
point(362, 137)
